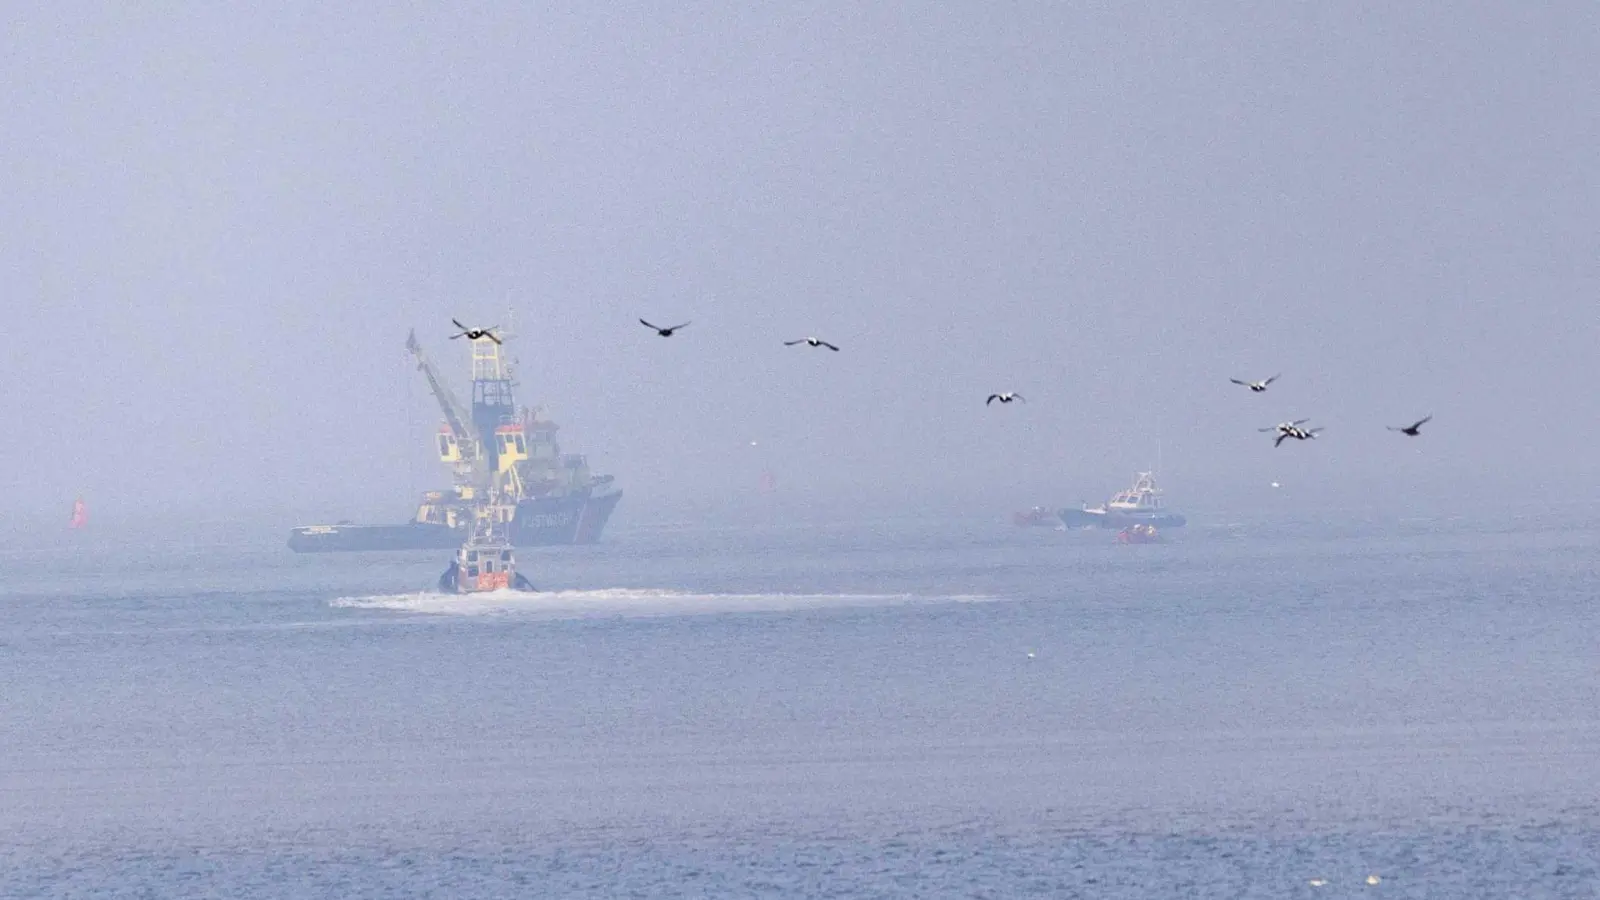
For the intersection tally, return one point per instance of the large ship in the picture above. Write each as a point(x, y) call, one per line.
point(1142, 504)
point(502, 457)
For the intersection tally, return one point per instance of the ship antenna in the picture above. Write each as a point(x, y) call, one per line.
point(515, 362)
point(411, 432)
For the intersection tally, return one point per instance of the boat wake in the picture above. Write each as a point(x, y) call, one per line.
point(632, 602)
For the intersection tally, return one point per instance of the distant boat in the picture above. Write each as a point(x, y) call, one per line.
point(80, 514)
point(492, 446)
point(1142, 504)
point(485, 562)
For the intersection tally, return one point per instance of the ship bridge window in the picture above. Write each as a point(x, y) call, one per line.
point(489, 566)
point(472, 556)
point(521, 447)
point(444, 445)
point(505, 555)
point(472, 571)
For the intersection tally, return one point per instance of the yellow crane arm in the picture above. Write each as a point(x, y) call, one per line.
point(454, 413)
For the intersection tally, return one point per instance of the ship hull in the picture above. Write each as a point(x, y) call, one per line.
point(1083, 518)
point(542, 523)
point(538, 523)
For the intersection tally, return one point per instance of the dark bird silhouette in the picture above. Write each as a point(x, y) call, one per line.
point(811, 341)
point(1414, 428)
point(1007, 397)
point(473, 334)
point(664, 332)
point(1256, 386)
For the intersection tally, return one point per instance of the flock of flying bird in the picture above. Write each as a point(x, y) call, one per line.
point(1283, 430)
point(671, 330)
point(1287, 430)
point(1005, 397)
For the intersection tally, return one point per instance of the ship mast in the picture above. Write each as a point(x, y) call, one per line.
point(493, 402)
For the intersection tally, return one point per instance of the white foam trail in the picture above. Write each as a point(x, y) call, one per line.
point(628, 602)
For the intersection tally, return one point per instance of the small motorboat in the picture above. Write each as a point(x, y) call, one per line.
point(486, 562)
point(1139, 534)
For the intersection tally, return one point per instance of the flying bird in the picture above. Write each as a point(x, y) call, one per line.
point(1007, 397)
point(1256, 386)
point(1414, 428)
point(1285, 427)
point(1286, 430)
point(473, 334)
point(811, 341)
point(1296, 432)
point(664, 332)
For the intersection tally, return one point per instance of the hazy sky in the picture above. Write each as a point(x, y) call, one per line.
point(218, 224)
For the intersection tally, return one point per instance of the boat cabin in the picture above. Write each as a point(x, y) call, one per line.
point(1143, 497)
point(483, 566)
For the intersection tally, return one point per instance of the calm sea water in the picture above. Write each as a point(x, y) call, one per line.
point(900, 708)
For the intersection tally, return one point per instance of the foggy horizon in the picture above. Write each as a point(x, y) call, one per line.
point(220, 226)
point(818, 646)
